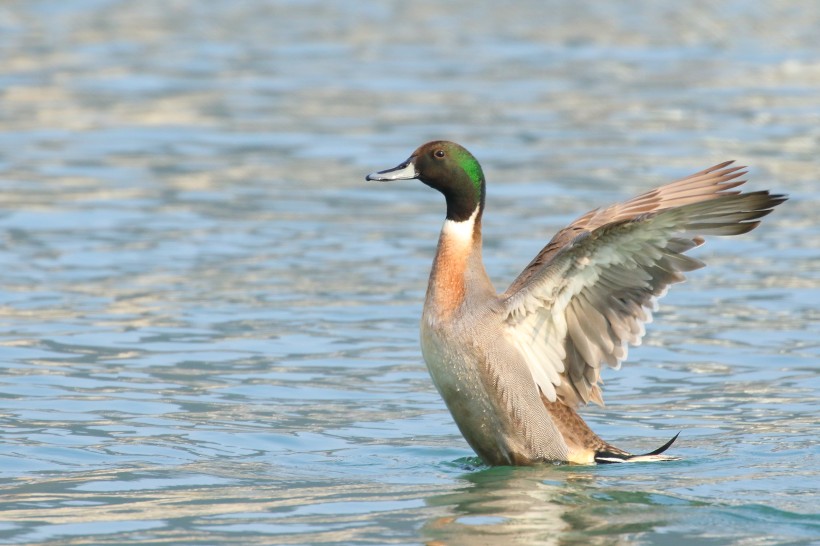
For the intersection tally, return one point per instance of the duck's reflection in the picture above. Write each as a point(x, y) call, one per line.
point(506, 505)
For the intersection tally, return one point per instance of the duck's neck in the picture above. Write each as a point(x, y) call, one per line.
point(458, 270)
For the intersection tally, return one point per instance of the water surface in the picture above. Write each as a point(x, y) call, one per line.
point(209, 320)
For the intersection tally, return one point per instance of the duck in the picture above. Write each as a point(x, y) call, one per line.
point(514, 368)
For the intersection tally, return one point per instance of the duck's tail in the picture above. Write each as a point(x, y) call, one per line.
point(611, 454)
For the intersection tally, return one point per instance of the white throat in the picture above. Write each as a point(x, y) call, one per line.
point(460, 232)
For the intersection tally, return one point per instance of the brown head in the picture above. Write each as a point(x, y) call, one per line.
point(448, 168)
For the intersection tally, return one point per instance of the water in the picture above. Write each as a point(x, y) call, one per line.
point(209, 320)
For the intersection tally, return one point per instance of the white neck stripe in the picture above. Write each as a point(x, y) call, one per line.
point(460, 231)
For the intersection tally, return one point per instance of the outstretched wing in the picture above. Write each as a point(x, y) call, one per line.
point(591, 290)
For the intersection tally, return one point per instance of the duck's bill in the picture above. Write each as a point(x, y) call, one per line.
point(405, 171)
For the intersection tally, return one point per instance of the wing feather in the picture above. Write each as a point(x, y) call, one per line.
point(590, 292)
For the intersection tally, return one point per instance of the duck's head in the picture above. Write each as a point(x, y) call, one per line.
point(450, 169)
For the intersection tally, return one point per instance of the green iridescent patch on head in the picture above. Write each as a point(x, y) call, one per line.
point(467, 162)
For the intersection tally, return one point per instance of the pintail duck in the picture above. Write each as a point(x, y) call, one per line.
point(513, 367)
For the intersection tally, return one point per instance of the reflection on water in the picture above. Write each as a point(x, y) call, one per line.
point(567, 505)
point(209, 320)
point(509, 505)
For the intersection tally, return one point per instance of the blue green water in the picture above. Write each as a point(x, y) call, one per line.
point(208, 319)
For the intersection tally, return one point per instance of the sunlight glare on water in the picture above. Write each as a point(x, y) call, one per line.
point(210, 320)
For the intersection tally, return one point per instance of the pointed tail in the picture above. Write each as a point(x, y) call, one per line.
point(612, 454)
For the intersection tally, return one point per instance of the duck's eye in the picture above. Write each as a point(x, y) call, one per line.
point(439, 153)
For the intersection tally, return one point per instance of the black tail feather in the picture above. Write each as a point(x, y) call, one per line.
point(615, 455)
point(664, 447)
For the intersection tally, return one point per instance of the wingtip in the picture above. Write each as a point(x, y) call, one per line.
point(777, 198)
point(721, 166)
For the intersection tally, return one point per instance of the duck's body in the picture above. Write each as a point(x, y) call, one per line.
point(512, 367)
point(480, 375)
